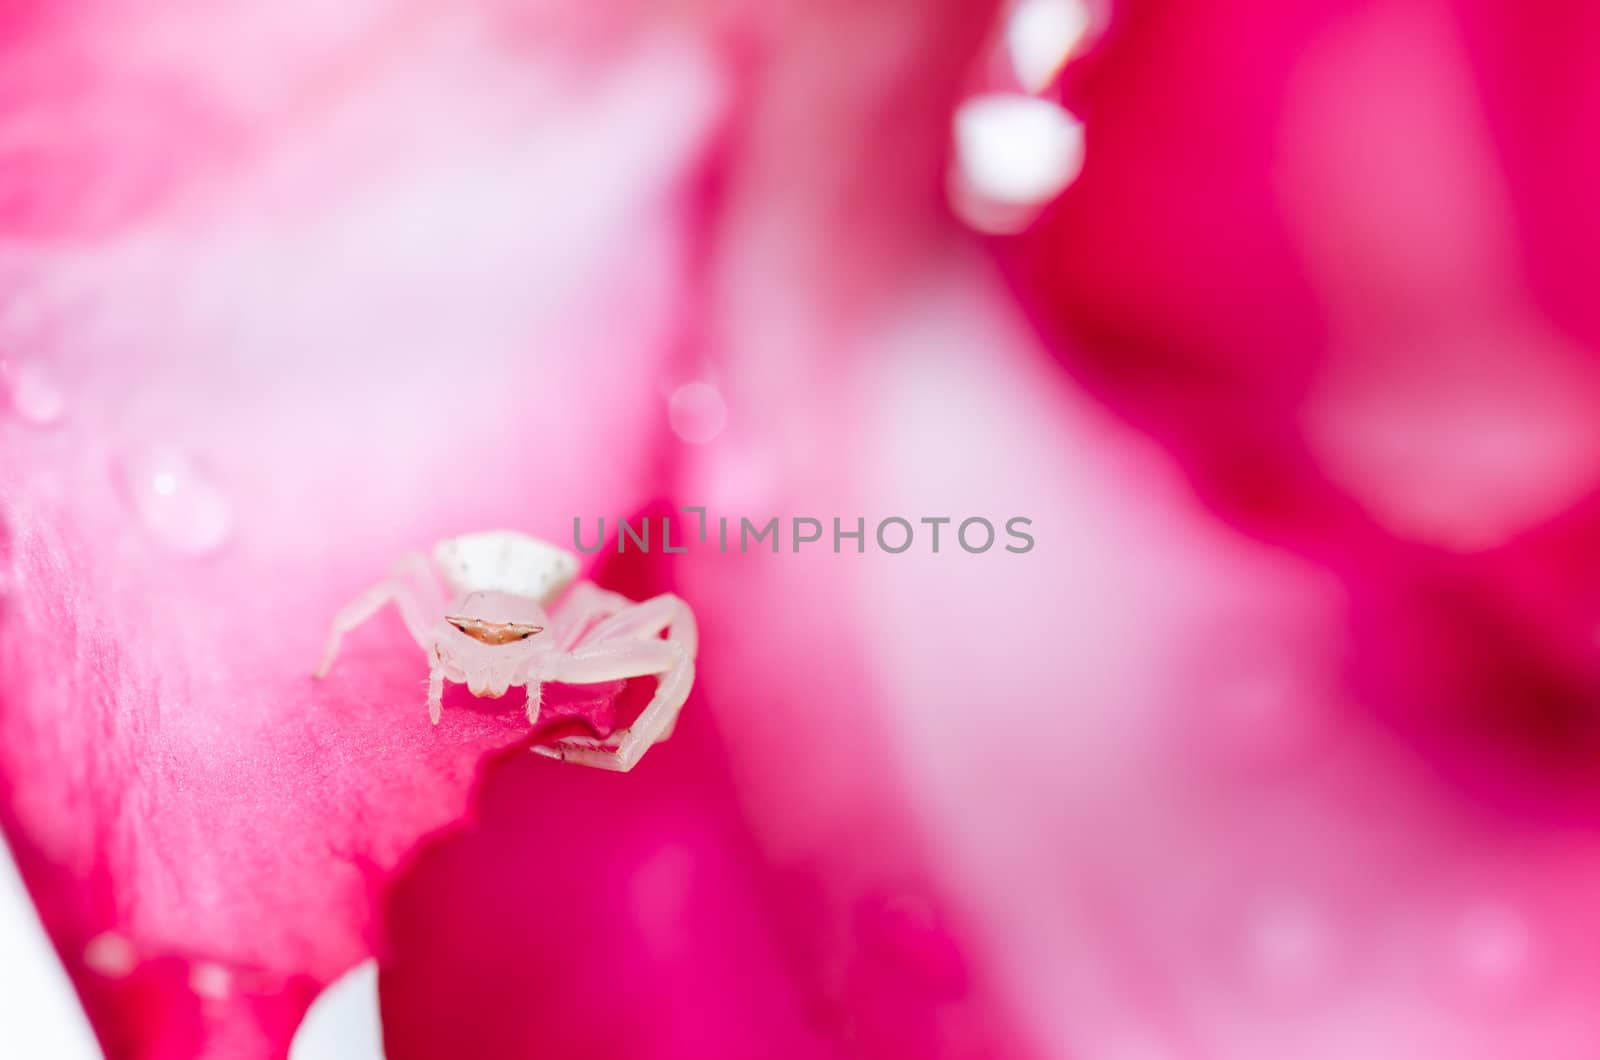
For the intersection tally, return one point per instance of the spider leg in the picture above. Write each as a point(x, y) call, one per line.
point(581, 608)
point(658, 719)
point(429, 590)
point(414, 607)
point(615, 660)
point(435, 692)
point(584, 605)
point(647, 620)
point(632, 637)
point(535, 701)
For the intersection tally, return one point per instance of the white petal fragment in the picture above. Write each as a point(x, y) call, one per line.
point(1041, 35)
point(39, 1012)
point(343, 1023)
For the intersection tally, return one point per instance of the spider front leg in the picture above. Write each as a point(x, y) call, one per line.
point(665, 613)
point(535, 700)
point(419, 602)
point(648, 620)
point(435, 690)
point(658, 719)
point(595, 664)
point(584, 605)
point(629, 644)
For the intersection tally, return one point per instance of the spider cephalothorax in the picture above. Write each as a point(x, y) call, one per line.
point(499, 609)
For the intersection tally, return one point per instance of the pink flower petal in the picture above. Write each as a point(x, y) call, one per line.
point(369, 331)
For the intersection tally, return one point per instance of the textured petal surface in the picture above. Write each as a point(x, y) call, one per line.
point(352, 330)
point(1279, 741)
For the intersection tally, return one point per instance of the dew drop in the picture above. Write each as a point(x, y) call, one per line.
point(697, 412)
point(34, 395)
point(110, 954)
point(211, 981)
point(177, 503)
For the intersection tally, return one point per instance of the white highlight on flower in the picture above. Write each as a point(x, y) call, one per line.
point(1013, 154)
point(1017, 149)
point(39, 1014)
point(1041, 35)
point(110, 954)
point(343, 1023)
point(697, 412)
point(211, 981)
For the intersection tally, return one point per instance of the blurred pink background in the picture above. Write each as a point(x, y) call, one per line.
point(1276, 320)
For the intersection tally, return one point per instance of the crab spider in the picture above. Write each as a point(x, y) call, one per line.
point(499, 609)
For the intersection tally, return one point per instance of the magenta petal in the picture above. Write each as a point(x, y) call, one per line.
point(651, 918)
point(269, 389)
point(582, 913)
point(586, 917)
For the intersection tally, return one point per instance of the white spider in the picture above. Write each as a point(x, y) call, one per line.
point(482, 611)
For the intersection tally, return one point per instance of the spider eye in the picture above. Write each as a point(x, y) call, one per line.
point(493, 632)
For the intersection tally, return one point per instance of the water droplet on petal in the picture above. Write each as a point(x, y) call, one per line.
point(211, 980)
point(177, 502)
point(34, 395)
point(697, 412)
point(110, 954)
